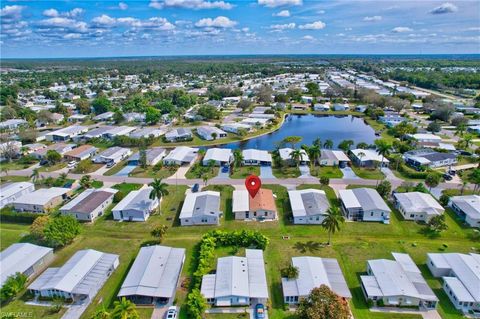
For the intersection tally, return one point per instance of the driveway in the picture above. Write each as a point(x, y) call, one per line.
point(348, 173)
point(266, 172)
point(126, 170)
point(304, 171)
point(222, 174)
point(389, 174)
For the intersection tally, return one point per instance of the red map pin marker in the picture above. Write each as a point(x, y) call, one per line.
point(253, 184)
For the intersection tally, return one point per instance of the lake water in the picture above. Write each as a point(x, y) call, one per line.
point(336, 128)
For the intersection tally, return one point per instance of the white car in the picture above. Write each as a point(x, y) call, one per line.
point(71, 164)
point(171, 313)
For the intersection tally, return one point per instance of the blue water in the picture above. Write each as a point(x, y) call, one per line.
point(336, 128)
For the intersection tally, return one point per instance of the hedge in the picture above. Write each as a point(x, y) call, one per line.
point(8, 215)
point(410, 172)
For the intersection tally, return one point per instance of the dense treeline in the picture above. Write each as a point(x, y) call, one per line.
point(436, 79)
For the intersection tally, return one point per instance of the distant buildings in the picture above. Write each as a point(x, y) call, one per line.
point(201, 208)
point(364, 204)
point(136, 206)
point(309, 206)
point(260, 207)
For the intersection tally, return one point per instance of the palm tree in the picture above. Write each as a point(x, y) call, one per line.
point(361, 155)
point(314, 152)
point(205, 179)
point(124, 309)
point(5, 170)
point(35, 175)
point(237, 158)
point(211, 164)
point(317, 142)
point(296, 157)
point(159, 189)
point(467, 140)
point(328, 144)
point(332, 222)
point(383, 148)
point(101, 313)
point(86, 181)
point(460, 129)
point(63, 177)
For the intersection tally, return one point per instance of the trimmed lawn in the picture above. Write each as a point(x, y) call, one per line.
point(12, 233)
point(153, 172)
point(326, 171)
point(199, 171)
point(244, 171)
point(286, 172)
point(368, 173)
point(15, 165)
point(52, 168)
point(97, 184)
point(127, 187)
point(86, 166)
point(115, 169)
point(23, 310)
point(10, 178)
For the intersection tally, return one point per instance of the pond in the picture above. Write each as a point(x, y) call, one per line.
point(334, 127)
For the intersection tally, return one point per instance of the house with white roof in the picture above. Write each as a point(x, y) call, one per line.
point(255, 122)
point(320, 107)
point(429, 158)
point(309, 206)
point(333, 158)
point(368, 158)
point(461, 278)
point(13, 124)
point(238, 281)
point(153, 156)
point(115, 131)
point(467, 207)
point(136, 206)
point(417, 206)
point(314, 272)
point(423, 138)
point(98, 132)
point(181, 155)
point(11, 191)
point(107, 116)
point(147, 132)
point(80, 278)
point(201, 208)
point(41, 200)
point(341, 107)
point(66, 133)
point(154, 275)
point(221, 156)
point(397, 282)
point(364, 204)
point(25, 258)
point(178, 134)
point(90, 204)
point(61, 148)
point(113, 154)
point(235, 127)
point(134, 117)
point(256, 157)
point(285, 156)
point(210, 133)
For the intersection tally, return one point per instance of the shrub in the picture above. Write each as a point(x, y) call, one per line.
point(8, 215)
point(13, 286)
point(119, 196)
point(290, 272)
point(61, 231)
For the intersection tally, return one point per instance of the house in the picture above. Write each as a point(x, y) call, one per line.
point(307, 99)
point(255, 122)
point(221, 156)
point(312, 273)
point(147, 132)
point(31, 148)
point(90, 204)
point(11, 149)
point(80, 153)
point(113, 154)
point(368, 158)
point(417, 206)
point(429, 158)
point(341, 107)
point(261, 109)
point(333, 158)
point(461, 279)
point(153, 156)
point(267, 116)
point(256, 157)
point(13, 124)
point(201, 208)
point(80, 278)
point(361, 108)
point(181, 155)
point(78, 118)
point(309, 206)
point(134, 117)
point(397, 282)
point(364, 204)
point(179, 134)
point(154, 275)
point(97, 132)
point(115, 131)
point(210, 133)
point(423, 139)
point(285, 156)
point(391, 119)
point(320, 107)
point(66, 133)
point(54, 118)
point(60, 148)
point(260, 207)
point(25, 258)
point(235, 127)
point(11, 191)
point(238, 281)
point(41, 200)
point(467, 207)
point(136, 206)
point(107, 116)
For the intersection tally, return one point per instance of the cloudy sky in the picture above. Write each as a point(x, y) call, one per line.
point(187, 27)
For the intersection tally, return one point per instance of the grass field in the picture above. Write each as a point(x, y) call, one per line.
point(368, 173)
point(244, 171)
point(326, 171)
point(149, 172)
point(52, 168)
point(356, 243)
point(286, 172)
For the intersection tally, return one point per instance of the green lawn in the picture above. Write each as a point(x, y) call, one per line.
point(244, 171)
point(326, 171)
point(14, 165)
point(10, 178)
point(286, 172)
point(52, 168)
point(367, 173)
point(127, 187)
point(153, 172)
point(12, 233)
point(199, 171)
point(86, 166)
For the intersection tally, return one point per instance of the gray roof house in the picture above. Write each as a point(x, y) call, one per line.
point(312, 273)
point(417, 206)
point(113, 154)
point(136, 206)
point(154, 275)
point(181, 155)
point(333, 158)
point(397, 282)
point(24, 258)
point(467, 207)
point(178, 134)
point(81, 277)
point(221, 156)
point(201, 208)
point(153, 155)
point(309, 206)
point(364, 204)
point(239, 281)
point(429, 158)
point(11, 191)
point(206, 132)
point(461, 278)
point(147, 132)
point(90, 204)
point(66, 133)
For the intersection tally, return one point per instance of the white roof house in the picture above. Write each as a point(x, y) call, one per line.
point(238, 280)
point(206, 132)
point(467, 207)
point(201, 208)
point(12, 124)
point(417, 206)
point(25, 258)
point(255, 121)
point(118, 131)
point(221, 156)
point(397, 282)
point(153, 156)
point(368, 157)
point(333, 157)
point(113, 154)
point(81, 276)
point(309, 206)
point(136, 206)
point(11, 191)
point(364, 204)
point(146, 132)
point(426, 138)
point(178, 134)
point(312, 273)
point(235, 127)
point(66, 133)
point(40, 199)
point(181, 155)
point(154, 274)
point(256, 157)
point(285, 154)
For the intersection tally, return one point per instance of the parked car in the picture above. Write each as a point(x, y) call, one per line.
point(110, 164)
point(259, 311)
point(43, 162)
point(447, 177)
point(71, 164)
point(195, 188)
point(225, 169)
point(171, 313)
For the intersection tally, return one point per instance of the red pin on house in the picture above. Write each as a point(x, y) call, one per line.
point(253, 184)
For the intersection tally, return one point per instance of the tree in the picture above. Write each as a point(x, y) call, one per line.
point(467, 140)
point(296, 157)
point(434, 127)
point(61, 231)
point(328, 144)
point(152, 115)
point(362, 145)
point(142, 159)
point(86, 181)
point(101, 313)
point(264, 94)
point(9, 150)
point(124, 309)
point(361, 155)
point(314, 152)
point(38, 226)
point(432, 180)
point(332, 221)
point(474, 178)
point(313, 89)
point(244, 104)
point(345, 145)
point(101, 105)
point(292, 140)
point(323, 303)
point(159, 190)
point(460, 130)
point(53, 157)
point(196, 304)
point(159, 232)
point(324, 180)
point(384, 188)
point(437, 223)
point(208, 112)
point(13, 286)
point(237, 157)
point(290, 272)
point(383, 148)
point(82, 105)
point(118, 117)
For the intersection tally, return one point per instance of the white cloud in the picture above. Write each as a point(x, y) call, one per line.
point(401, 29)
point(11, 12)
point(72, 36)
point(123, 6)
point(348, 29)
point(50, 13)
point(279, 3)
point(308, 38)
point(373, 18)
point(74, 12)
point(283, 26)
point(321, 11)
point(447, 7)
point(190, 4)
point(283, 13)
point(317, 25)
point(218, 22)
point(245, 29)
point(64, 23)
point(104, 20)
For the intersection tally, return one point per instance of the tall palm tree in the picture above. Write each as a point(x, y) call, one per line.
point(332, 222)
point(237, 158)
point(35, 175)
point(328, 144)
point(159, 189)
point(86, 181)
point(361, 155)
point(467, 140)
point(124, 309)
point(296, 156)
point(460, 129)
point(317, 142)
point(383, 148)
point(314, 152)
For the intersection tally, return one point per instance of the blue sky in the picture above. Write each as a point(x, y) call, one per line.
point(187, 27)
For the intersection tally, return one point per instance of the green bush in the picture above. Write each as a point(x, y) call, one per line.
point(61, 231)
point(410, 172)
point(12, 286)
point(8, 215)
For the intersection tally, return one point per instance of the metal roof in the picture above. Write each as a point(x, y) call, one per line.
point(365, 198)
point(469, 204)
point(151, 153)
point(10, 189)
point(256, 155)
point(218, 154)
point(240, 201)
point(182, 154)
point(41, 196)
point(205, 203)
point(285, 154)
point(89, 200)
point(154, 273)
point(138, 200)
point(369, 155)
point(416, 202)
point(308, 202)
